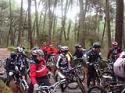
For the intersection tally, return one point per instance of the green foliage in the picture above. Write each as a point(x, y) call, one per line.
point(4, 88)
point(27, 50)
point(11, 48)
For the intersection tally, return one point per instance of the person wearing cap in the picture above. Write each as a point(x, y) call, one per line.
point(93, 56)
point(114, 52)
point(78, 56)
point(78, 51)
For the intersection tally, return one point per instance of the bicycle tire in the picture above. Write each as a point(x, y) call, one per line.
point(40, 92)
point(72, 87)
point(81, 73)
point(108, 80)
point(123, 91)
point(23, 89)
point(80, 85)
point(96, 89)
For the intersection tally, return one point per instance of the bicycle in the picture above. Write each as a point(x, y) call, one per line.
point(79, 63)
point(73, 77)
point(17, 79)
point(117, 88)
point(50, 89)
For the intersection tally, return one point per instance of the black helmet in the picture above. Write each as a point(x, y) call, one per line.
point(13, 55)
point(96, 45)
point(78, 46)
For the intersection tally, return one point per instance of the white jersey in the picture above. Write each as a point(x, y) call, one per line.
point(119, 66)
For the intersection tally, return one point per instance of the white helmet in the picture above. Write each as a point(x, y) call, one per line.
point(19, 49)
point(64, 49)
point(37, 52)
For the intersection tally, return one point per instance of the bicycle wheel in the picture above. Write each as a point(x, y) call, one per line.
point(23, 87)
point(81, 73)
point(39, 91)
point(96, 89)
point(73, 85)
point(123, 91)
point(80, 85)
point(106, 78)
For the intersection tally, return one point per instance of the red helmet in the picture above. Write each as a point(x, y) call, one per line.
point(114, 43)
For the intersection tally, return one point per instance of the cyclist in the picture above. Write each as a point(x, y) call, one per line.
point(79, 52)
point(119, 66)
point(93, 56)
point(44, 48)
point(10, 62)
point(63, 65)
point(38, 70)
point(114, 52)
point(22, 63)
point(51, 50)
point(78, 56)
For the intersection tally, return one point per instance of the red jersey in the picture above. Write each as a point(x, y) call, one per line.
point(37, 70)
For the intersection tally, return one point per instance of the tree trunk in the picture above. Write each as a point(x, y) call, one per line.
point(37, 24)
point(44, 22)
point(119, 21)
point(103, 33)
point(29, 24)
point(68, 33)
point(20, 24)
point(54, 26)
point(108, 23)
point(10, 29)
point(63, 20)
point(82, 15)
point(50, 24)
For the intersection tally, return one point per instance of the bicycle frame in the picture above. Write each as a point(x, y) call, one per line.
point(52, 88)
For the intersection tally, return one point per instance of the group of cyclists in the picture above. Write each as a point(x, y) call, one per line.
point(38, 70)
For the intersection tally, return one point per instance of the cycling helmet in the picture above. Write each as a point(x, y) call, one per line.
point(19, 49)
point(64, 49)
point(78, 46)
point(37, 51)
point(13, 55)
point(96, 45)
point(114, 43)
point(58, 46)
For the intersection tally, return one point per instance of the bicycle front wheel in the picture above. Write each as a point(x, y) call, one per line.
point(80, 85)
point(96, 89)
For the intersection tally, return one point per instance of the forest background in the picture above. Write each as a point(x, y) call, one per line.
point(65, 22)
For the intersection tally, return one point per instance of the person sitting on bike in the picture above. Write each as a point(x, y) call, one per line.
point(38, 70)
point(51, 50)
point(93, 56)
point(11, 67)
point(79, 53)
point(44, 48)
point(22, 63)
point(119, 66)
point(10, 62)
point(63, 65)
point(114, 52)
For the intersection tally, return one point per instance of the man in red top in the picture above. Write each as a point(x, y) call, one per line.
point(38, 70)
point(51, 50)
point(44, 48)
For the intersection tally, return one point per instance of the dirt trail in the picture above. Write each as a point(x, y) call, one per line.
point(4, 53)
